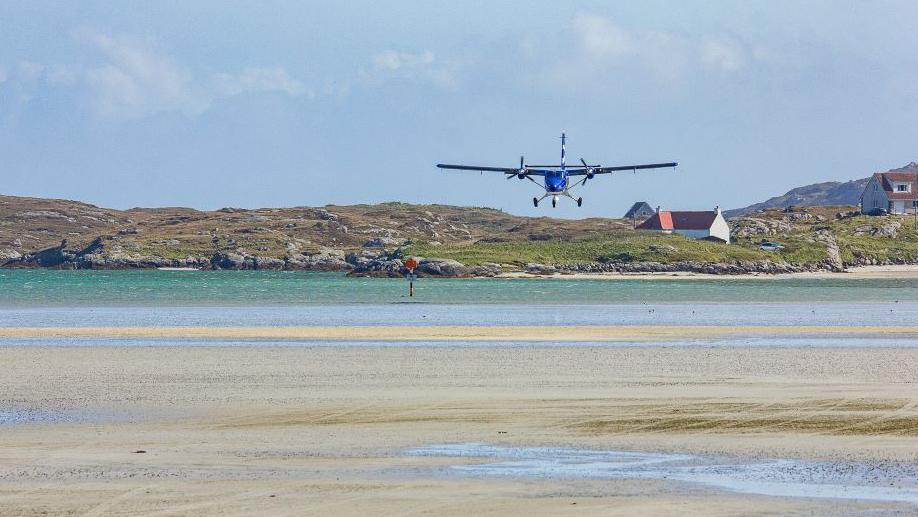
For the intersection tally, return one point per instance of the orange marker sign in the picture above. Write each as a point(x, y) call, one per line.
point(410, 264)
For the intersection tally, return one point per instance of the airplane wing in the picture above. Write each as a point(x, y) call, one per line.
point(505, 170)
point(557, 166)
point(605, 170)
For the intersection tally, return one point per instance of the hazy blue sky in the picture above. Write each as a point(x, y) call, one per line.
point(212, 104)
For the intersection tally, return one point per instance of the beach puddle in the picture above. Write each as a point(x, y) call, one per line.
point(26, 416)
point(880, 481)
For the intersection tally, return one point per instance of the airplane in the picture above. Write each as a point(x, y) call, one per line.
point(557, 179)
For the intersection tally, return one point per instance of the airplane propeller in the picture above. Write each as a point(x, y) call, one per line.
point(522, 171)
point(590, 174)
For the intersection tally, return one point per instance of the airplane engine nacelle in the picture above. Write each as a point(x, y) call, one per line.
point(590, 175)
point(521, 176)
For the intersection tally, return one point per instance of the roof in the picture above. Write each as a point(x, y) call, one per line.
point(885, 179)
point(679, 221)
point(640, 206)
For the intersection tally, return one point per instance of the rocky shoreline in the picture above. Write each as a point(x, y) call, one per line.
point(389, 263)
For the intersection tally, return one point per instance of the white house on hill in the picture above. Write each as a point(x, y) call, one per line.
point(698, 225)
point(895, 192)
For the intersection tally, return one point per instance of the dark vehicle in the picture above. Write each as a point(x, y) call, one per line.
point(770, 246)
point(878, 211)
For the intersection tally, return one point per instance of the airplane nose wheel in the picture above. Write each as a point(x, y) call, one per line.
point(579, 201)
point(535, 202)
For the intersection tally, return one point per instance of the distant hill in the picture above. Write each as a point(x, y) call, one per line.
point(818, 194)
point(50, 232)
point(454, 241)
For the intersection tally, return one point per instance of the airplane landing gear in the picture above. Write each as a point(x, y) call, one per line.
point(554, 202)
point(579, 201)
point(535, 202)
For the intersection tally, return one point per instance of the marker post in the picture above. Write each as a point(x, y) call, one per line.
point(410, 265)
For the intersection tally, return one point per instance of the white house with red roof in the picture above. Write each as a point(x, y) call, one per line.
point(895, 191)
point(709, 225)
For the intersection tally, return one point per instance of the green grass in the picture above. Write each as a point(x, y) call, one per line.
point(620, 246)
point(801, 247)
point(902, 247)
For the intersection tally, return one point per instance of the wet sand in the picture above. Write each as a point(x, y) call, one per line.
point(323, 430)
point(531, 333)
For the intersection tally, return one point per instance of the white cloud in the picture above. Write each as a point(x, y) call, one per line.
point(393, 60)
point(62, 75)
point(723, 54)
point(602, 45)
point(610, 57)
point(421, 66)
point(126, 77)
point(259, 80)
point(601, 37)
point(136, 79)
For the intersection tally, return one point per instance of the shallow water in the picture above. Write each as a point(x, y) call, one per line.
point(885, 481)
point(22, 288)
point(792, 313)
point(25, 415)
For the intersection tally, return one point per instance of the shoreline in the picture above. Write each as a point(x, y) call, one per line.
point(584, 333)
point(858, 273)
point(905, 271)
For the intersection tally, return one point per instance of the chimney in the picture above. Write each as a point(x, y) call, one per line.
point(717, 209)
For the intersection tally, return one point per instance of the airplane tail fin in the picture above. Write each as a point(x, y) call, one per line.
point(563, 141)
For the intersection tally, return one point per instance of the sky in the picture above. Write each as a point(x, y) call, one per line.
point(211, 104)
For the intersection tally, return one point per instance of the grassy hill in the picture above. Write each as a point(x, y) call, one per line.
point(60, 233)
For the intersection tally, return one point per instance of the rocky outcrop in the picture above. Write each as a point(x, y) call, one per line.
point(540, 269)
point(324, 259)
point(738, 268)
point(49, 257)
point(833, 255)
point(888, 229)
point(751, 226)
point(9, 256)
point(391, 264)
point(442, 267)
point(382, 242)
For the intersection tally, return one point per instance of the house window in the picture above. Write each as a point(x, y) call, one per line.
point(915, 204)
point(902, 187)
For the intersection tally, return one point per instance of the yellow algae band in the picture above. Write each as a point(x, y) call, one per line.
point(455, 333)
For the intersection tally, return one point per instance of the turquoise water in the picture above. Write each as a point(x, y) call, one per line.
point(54, 288)
point(48, 298)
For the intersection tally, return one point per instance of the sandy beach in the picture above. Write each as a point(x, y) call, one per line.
point(861, 272)
point(322, 430)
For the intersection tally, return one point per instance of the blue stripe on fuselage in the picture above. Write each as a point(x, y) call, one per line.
point(555, 182)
